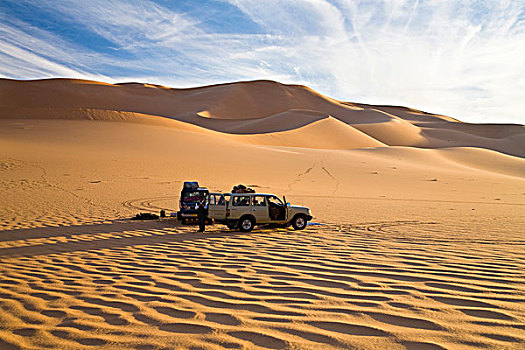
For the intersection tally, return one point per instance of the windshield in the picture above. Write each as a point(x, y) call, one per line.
point(192, 197)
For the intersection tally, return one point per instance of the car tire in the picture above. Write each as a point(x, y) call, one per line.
point(246, 224)
point(299, 222)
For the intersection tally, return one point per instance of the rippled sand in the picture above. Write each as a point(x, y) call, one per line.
point(149, 285)
point(412, 248)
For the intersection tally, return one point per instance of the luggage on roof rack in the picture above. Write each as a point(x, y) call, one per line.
point(242, 189)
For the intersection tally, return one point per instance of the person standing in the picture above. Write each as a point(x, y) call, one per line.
point(202, 212)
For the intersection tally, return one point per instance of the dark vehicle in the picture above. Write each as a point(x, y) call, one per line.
point(190, 196)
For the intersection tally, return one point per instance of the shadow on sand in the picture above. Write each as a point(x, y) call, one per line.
point(118, 234)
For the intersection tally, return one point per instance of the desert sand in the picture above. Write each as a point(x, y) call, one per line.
point(418, 239)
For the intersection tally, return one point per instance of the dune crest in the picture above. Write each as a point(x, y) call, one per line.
point(249, 107)
point(326, 133)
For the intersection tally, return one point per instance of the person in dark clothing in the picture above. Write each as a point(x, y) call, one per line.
point(202, 212)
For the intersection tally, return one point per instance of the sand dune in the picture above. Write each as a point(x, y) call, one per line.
point(448, 137)
point(251, 108)
point(418, 240)
point(328, 133)
point(396, 132)
point(486, 160)
point(289, 120)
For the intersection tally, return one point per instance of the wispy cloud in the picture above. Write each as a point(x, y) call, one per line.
point(27, 51)
point(125, 23)
point(453, 57)
point(461, 58)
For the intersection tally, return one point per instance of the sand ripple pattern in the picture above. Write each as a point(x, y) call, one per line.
point(156, 285)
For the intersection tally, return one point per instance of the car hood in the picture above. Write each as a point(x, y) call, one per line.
point(298, 207)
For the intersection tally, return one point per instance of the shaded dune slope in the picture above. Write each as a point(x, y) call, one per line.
point(257, 108)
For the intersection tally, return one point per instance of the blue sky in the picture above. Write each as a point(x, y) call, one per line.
point(461, 58)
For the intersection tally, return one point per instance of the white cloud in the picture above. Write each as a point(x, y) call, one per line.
point(298, 17)
point(461, 58)
point(421, 54)
point(33, 53)
point(141, 23)
point(24, 60)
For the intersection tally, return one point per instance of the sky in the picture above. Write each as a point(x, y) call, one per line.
point(461, 58)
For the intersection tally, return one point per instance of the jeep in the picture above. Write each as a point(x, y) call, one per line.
point(190, 195)
point(245, 210)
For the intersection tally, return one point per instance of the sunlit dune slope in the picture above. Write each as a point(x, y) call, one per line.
point(416, 240)
point(73, 169)
point(328, 133)
point(254, 107)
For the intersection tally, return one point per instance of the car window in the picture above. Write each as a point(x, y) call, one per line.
point(192, 197)
point(259, 201)
point(241, 201)
point(217, 199)
point(274, 200)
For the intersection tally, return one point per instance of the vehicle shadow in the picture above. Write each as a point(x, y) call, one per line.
point(64, 239)
point(113, 225)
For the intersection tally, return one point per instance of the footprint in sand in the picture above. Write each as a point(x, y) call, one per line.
point(91, 341)
point(502, 337)
point(347, 328)
point(222, 319)
point(259, 339)
point(185, 328)
point(54, 313)
point(176, 313)
point(71, 323)
point(313, 337)
point(403, 321)
point(411, 345)
point(482, 313)
point(25, 332)
point(462, 302)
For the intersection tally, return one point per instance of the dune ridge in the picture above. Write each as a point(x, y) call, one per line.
point(327, 133)
point(252, 107)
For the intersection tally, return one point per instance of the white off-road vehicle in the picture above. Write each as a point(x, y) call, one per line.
point(245, 210)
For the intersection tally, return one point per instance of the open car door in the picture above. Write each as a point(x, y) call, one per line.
point(216, 206)
point(277, 209)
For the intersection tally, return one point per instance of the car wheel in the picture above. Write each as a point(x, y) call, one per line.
point(299, 222)
point(246, 224)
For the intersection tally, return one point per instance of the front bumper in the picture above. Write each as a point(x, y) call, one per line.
point(184, 215)
point(187, 214)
